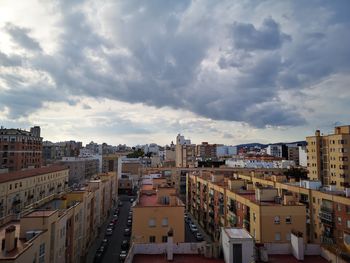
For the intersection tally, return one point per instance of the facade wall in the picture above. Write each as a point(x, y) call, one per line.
point(214, 206)
point(20, 149)
point(15, 195)
point(328, 157)
point(141, 229)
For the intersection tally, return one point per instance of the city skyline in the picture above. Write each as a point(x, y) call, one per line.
point(122, 72)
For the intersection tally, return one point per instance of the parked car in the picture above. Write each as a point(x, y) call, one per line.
point(109, 231)
point(111, 225)
point(129, 223)
point(131, 200)
point(130, 217)
point(122, 256)
point(120, 204)
point(127, 232)
point(193, 228)
point(104, 243)
point(125, 245)
point(199, 237)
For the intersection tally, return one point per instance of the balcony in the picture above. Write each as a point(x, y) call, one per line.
point(211, 214)
point(326, 215)
point(16, 202)
point(232, 220)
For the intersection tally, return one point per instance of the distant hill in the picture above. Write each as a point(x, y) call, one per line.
point(260, 145)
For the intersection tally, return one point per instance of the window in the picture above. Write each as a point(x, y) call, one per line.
point(164, 239)
point(42, 253)
point(277, 220)
point(165, 221)
point(339, 220)
point(288, 219)
point(254, 217)
point(152, 222)
point(348, 223)
point(152, 239)
point(277, 236)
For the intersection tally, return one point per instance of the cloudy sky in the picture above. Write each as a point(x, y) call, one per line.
point(142, 71)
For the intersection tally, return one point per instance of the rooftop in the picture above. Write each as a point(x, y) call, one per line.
point(183, 258)
point(149, 200)
point(41, 213)
point(18, 175)
point(237, 233)
point(22, 244)
point(292, 259)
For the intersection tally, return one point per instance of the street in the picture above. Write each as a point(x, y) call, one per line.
point(114, 241)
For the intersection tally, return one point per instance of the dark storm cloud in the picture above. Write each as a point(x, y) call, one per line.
point(21, 37)
point(173, 53)
point(269, 36)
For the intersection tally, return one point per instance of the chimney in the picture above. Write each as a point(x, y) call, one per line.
point(317, 133)
point(169, 246)
point(10, 240)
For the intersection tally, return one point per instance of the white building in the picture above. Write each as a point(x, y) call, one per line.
point(237, 245)
point(224, 150)
point(256, 163)
point(302, 156)
point(277, 150)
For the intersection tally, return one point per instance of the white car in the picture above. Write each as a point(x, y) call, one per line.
point(109, 232)
point(193, 228)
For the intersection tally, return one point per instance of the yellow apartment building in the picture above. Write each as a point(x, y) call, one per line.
point(86, 197)
point(21, 189)
point(327, 209)
point(328, 157)
point(31, 247)
point(157, 210)
point(270, 218)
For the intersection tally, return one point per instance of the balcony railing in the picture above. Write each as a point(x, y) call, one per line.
point(326, 217)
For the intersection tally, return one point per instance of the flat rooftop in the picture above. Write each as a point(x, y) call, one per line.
point(183, 258)
point(237, 233)
point(292, 259)
point(41, 213)
point(22, 244)
point(18, 175)
point(149, 200)
point(147, 187)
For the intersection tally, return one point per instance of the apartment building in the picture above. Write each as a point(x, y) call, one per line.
point(328, 157)
point(24, 188)
point(111, 163)
point(53, 151)
point(30, 247)
point(277, 150)
point(80, 169)
point(87, 198)
point(327, 209)
point(157, 212)
point(206, 151)
point(20, 149)
point(216, 201)
point(293, 154)
point(185, 152)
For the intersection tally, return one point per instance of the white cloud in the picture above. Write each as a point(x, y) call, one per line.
point(205, 68)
